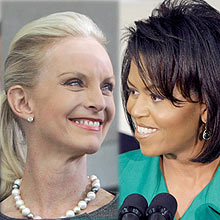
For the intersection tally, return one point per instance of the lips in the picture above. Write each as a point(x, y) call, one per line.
point(89, 124)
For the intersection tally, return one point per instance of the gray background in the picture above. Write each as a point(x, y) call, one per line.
point(15, 14)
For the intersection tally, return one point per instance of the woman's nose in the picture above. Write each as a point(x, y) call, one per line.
point(138, 107)
point(95, 100)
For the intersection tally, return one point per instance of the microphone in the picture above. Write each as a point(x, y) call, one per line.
point(133, 207)
point(162, 207)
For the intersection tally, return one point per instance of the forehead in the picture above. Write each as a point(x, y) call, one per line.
point(145, 83)
point(138, 78)
point(84, 54)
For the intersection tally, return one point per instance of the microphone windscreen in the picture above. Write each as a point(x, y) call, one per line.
point(134, 200)
point(165, 200)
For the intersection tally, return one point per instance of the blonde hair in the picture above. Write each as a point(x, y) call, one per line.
point(22, 66)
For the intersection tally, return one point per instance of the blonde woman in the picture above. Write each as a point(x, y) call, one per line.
point(56, 108)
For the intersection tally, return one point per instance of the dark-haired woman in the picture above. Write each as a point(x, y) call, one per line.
point(171, 93)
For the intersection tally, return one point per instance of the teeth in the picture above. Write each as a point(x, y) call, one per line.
point(143, 130)
point(88, 123)
point(96, 124)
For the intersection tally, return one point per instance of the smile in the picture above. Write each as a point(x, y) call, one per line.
point(145, 131)
point(94, 125)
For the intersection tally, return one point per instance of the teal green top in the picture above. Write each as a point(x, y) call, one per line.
point(142, 174)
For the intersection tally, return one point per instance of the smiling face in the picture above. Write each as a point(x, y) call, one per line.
point(73, 101)
point(162, 128)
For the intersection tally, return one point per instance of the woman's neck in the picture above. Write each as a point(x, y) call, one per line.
point(186, 179)
point(52, 186)
point(187, 170)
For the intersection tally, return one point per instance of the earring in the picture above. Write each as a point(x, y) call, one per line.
point(30, 119)
point(206, 135)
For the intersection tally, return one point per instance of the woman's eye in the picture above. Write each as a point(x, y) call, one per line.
point(133, 92)
point(74, 82)
point(107, 88)
point(156, 98)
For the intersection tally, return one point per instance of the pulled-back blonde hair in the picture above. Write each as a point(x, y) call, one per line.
point(25, 59)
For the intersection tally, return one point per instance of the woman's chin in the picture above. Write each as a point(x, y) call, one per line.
point(149, 152)
point(93, 150)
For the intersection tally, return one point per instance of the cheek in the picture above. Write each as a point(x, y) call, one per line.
point(110, 106)
point(178, 121)
point(129, 106)
point(56, 105)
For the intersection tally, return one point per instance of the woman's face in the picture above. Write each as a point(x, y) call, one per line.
point(73, 101)
point(162, 128)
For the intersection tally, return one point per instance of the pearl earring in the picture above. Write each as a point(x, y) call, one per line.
point(30, 119)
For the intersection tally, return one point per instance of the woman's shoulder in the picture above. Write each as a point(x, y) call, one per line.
point(107, 211)
point(4, 217)
point(8, 209)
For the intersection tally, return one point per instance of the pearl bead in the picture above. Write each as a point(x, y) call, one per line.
point(96, 181)
point(96, 184)
point(22, 207)
point(82, 204)
point(87, 200)
point(15, 192)
point(19, 203)
point(26, 211)
point(70, 213)
point(91, 195)
point(95, 189)
point(31, 216)
point(18, 182)
point(15, 186)
point(93, 177)
point(17, 198)
point(76, 209)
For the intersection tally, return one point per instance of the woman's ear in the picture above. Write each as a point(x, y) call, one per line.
point(18, 101)
point(203, 111)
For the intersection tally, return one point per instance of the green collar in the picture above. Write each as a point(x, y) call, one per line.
point(142, 174)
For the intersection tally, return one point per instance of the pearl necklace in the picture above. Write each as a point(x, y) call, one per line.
point(26, 212)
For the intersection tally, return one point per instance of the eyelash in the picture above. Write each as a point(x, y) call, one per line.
point(107, 87)
point(131, 91)
point(70, 82)
point(154, 97)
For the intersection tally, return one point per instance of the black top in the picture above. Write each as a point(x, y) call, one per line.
point(108, 211)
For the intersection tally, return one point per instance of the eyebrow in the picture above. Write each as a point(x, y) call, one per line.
point(83, 76)
point(129, 82)
point(109, 78)
point(148, 88)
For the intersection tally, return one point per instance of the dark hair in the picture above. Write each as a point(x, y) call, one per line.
point(179, 46)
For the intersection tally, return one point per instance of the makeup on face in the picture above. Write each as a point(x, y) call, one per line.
point(160, 127)
point(76, 97)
